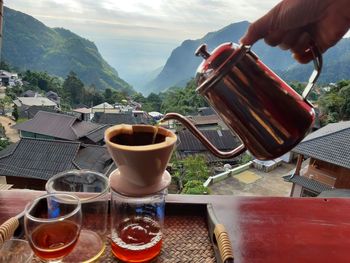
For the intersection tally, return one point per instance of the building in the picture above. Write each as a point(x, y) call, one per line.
point(328, 150)
point(53, 96)
point(120, 118)
point(9, 79)
point(31, 162)
point(221, 139)
point(83, 114)
point(55, 126)
point(25, 102)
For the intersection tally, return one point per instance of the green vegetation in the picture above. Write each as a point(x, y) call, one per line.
point(195, 187)
point(29, 44)
point(335, 104)
point(245, 158)
point(191, 172)
point(182, 100)
point(3, 144)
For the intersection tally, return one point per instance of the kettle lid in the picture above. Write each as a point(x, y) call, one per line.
point(213, 62)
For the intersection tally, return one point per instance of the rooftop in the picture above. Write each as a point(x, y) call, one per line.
point(329, 144)
point(57, 125)
point(35, 101)
point(41, 159)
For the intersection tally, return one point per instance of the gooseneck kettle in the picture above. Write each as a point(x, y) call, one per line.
point(268, 116)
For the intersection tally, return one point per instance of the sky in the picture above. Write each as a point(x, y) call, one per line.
point(135, 36)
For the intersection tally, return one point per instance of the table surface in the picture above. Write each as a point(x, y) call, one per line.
point(261, 229)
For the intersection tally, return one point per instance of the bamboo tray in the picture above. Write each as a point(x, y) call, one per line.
point(191, 234)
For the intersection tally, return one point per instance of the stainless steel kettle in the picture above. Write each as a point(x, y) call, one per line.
point(268, 116)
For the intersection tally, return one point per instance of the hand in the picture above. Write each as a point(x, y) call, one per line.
point(296, 24)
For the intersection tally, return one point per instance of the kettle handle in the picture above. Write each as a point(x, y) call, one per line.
point(183, 120)
point(318, 62)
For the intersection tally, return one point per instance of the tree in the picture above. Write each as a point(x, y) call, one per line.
point(15, 112)
point(4, 103)
point(5, 66)
point(345, 108)
point(182, 100)
point(74, 87)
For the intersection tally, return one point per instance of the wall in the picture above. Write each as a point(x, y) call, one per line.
point(341, 174)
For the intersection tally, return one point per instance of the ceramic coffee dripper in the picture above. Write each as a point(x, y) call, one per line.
point(141, 167)
point(268, 116)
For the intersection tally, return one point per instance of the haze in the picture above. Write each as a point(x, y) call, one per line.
point(135, 36)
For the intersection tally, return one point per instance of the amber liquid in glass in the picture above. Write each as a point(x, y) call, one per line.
point(137, 239)
point(54, 240)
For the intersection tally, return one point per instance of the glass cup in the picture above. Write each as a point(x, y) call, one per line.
point(92, 188)
point(16, 251)
point(137, 226)
point(52, 225)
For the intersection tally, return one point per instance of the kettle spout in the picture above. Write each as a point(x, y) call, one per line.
point(190, 126)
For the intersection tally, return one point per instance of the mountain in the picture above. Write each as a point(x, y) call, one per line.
point(29, 44)
point(182, 64)
point(336, 65)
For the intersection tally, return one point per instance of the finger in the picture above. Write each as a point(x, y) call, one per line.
point(302, 44)
point(257, 30)
point(289, 40)
point(274, 38)
point(261, 27)
point(303, 57)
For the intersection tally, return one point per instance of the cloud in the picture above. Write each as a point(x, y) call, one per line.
point(140, 34)
point(181, 18)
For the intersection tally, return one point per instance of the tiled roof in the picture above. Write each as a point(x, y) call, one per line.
point(307, 183)
point(222, 139)
point(39, 158)
point(93, 157)
point(36, 101)
point(204, 111)
point(57, 125)
point(35, 158)
point(82, 110)
point(98, 134)
point(205, 120)
point(114, 118)
point(81, 128)
point(31, 111)
point(330, 144)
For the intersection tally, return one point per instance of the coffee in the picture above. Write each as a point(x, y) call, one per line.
point(138, 138)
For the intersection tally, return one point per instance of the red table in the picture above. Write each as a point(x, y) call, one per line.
point(262, 229)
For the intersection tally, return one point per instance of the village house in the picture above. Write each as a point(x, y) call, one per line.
point(23, 103)
point(48, 125)
point(31, 162)
point(221, 139)
point(9, 79)
point(104, 107)
point(83, 113)
point(121, 118)
point(328, 151)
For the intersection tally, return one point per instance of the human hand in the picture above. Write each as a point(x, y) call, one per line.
point(296, 24)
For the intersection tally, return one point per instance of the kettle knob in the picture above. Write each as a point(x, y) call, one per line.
point(202, 51)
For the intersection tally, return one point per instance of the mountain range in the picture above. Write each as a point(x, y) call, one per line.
point(182, 64)
point(29, 44)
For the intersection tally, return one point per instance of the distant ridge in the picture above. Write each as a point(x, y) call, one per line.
point(182, 64)
point(29, 44)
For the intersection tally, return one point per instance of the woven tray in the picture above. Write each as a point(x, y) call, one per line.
point(186, 237)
